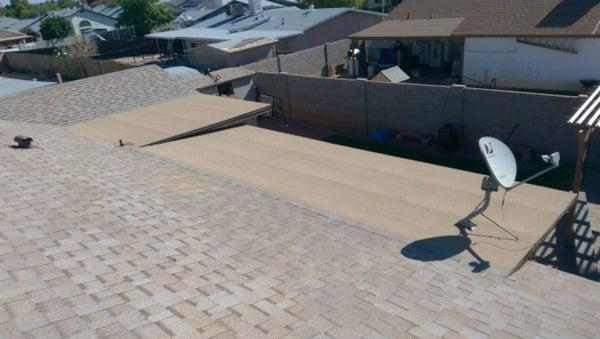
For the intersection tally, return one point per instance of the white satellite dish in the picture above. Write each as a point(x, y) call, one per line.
point(502, 163)
point(503, 168)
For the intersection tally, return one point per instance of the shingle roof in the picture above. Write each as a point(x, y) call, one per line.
point(509, 17)
point(93, 234)
point(92, 97)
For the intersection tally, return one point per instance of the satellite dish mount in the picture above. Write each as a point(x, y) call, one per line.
point(502, 165)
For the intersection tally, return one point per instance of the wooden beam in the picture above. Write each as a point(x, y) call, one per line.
point(583, 136)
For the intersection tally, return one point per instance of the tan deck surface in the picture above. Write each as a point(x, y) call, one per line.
point(407, 198)
point(169, 120)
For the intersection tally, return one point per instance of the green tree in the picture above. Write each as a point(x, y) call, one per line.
point(144, 15)
point(46, 7)
point(332, 3)
point(66, 4)
point(19, 9)
point(54, 27)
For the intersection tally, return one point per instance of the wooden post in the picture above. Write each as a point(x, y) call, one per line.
point(583, 137)
point(59, 78)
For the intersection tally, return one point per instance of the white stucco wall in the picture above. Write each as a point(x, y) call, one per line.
point(518, 65)
point(97, 21)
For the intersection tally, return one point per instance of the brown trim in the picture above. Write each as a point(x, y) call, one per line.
point(581, 36)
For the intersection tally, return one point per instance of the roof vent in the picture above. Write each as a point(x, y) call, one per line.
point(255, 6)
point(235, 9)
point(256, 22)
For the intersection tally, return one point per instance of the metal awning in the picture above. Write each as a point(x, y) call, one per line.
point(588, 115)
point(411, 28)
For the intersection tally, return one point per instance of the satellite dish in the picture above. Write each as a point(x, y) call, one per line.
point(500, 161)
point(503, 166)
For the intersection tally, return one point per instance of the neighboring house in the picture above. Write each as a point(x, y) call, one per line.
point(6, 22)
point(85, 21)
point(82, 21)
point(216, 10)
point(542, 44)
point(383, 6)
point(10, 38)
point(233, 39)
point(216, 4)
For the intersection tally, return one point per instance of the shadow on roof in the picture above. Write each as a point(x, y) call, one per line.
point(567, 13)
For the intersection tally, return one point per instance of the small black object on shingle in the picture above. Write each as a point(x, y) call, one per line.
point(23, 141)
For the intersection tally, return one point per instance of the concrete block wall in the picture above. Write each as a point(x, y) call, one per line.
point(541, 119)
point(337, 51)
point(360, 106)
point(311, 61)
point(308, 62)
point(314, 99)
point(75, 68)
point(407, 107)
point(267, 65)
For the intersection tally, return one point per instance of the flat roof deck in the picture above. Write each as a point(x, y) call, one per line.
point(189, 115)
point(414, 200)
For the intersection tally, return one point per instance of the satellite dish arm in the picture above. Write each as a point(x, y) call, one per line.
point(553, 159)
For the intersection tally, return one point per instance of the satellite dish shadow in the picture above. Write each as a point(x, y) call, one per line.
point(442, 248)
point(436, 249)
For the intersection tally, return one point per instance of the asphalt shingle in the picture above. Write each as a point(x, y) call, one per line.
point(92, 97)
point(128, 243)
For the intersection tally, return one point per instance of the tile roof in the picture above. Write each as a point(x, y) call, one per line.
point(509, 17)
point(92, 97)
point(129, 243)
